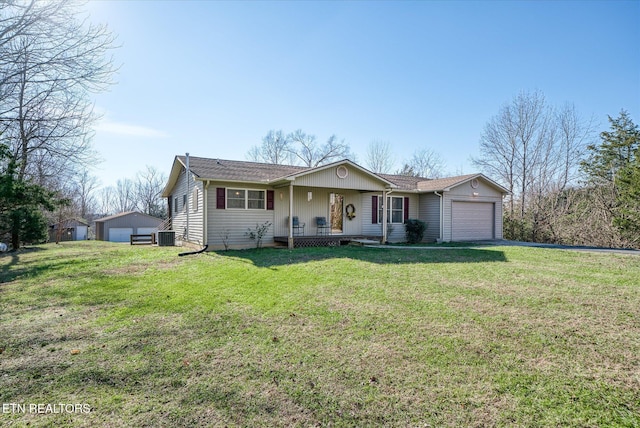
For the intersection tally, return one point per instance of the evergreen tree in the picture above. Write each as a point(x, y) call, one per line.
point(628, 218)
point(21, 204)
point(617, 150)
point(613, 170)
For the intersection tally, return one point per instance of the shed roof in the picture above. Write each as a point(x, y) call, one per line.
point(124, 214)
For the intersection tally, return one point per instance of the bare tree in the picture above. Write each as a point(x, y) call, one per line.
point(106, 200)
point(306, 148)
point(125, 195)
point(427, 163)
point(48, 71)
point(83, 195)
point(275, 149)
point(534, 151)
point(298, 148)
point(379, 157)
point(148, 187)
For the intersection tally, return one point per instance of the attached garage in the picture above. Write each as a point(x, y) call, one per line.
point(119, 227)
point(120, 234)
point(472, 221)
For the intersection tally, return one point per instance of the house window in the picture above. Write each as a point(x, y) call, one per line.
point(235, 198)
point(184, 201)
point(255, 199)
point(246, 199)
point(175, 205)
point(395, 209)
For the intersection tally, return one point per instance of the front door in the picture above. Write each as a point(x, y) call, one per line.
point(336, 201)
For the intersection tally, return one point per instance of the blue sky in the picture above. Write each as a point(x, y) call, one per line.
point(212, 78)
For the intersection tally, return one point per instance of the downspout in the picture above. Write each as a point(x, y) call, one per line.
point(187, 207)
point(441, 215)
point(205, 223)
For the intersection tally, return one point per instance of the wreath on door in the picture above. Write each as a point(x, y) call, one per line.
point(351, 211)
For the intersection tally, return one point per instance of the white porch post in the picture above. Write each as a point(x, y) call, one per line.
point(290, 240)
point(384, 216)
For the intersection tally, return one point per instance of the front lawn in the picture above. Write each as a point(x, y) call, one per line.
point(349, 336)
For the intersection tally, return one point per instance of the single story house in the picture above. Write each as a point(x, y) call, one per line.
point(214, 200)
point(72, 229)
point(120, 227)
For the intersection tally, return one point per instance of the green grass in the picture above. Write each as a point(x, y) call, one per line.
point(496, 336)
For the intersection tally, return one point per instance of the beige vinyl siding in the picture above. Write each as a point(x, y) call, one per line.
point(398, 232)
point(235, 222)
point(328, 178)
point(196, 213)
point(429, 209)
point(179, 219)
point(464, 192)
point(369, 228)
point(318, 206)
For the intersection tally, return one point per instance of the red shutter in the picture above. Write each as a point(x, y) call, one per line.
point(270, 195)
point(220, 201)
point(374, 210)
point(406, 208)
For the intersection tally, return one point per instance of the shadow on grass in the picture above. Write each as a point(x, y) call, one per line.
point(9, 270)
point(270, 257)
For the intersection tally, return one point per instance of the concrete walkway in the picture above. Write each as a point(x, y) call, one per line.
point(504, 242)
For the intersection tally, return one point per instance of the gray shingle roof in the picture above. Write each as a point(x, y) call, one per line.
point(404, 182)
point(232, 170)
point(443, 183)
point(223, 169)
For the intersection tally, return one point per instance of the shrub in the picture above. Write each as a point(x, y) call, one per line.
point(414, 230)
point(258, 233)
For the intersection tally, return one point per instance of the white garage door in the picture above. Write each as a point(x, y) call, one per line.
point(147, 230)
point(120, 234)
point(472, 221)
point(81, 233)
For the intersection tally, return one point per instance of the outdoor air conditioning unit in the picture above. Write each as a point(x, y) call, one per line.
point(166, 238)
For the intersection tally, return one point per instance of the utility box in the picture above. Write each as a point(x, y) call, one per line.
point(166, 238)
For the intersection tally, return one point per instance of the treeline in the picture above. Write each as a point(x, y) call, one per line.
point(52, 59)
point(567, 185)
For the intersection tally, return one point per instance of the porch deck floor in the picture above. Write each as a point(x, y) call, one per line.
point(300, 241)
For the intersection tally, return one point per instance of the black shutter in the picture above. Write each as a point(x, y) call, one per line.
point(374, 210)
point(406, 208)
point(220, 198)
point(270, 197)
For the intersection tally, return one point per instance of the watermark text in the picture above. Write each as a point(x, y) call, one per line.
point(45, 408)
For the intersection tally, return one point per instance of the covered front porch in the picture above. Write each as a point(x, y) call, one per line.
point(324, 206)
point(325, 240)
